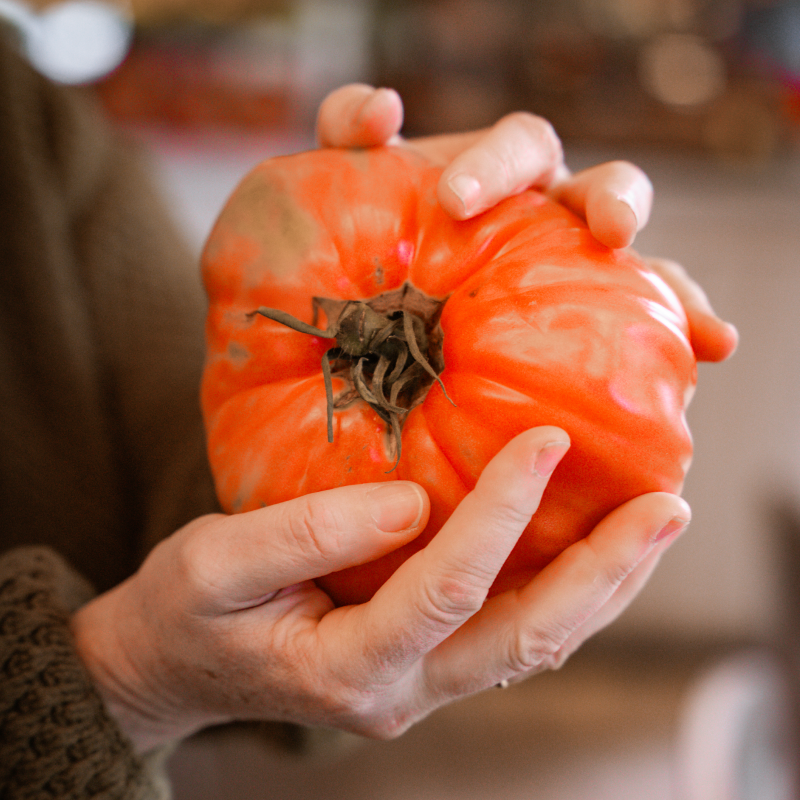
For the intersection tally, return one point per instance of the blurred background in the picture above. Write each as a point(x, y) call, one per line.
point(713, 76)
point(692, 694)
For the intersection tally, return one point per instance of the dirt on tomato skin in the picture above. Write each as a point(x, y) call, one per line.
point(279, 225)
point(238, 355)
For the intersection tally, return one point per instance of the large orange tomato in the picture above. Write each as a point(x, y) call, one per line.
point(527, 318)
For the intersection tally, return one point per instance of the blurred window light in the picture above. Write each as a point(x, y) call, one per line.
point(682, 70)
point(74, 42)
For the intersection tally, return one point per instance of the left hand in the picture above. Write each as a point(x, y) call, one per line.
point(481, 168)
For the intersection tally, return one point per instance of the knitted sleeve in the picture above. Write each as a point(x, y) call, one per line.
point(56, 738)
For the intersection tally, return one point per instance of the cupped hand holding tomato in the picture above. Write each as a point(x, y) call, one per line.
point(223, 621)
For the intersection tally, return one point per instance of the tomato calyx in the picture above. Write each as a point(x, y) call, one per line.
point(388, 349)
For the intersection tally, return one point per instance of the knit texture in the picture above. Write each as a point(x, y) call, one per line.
point(56, 738)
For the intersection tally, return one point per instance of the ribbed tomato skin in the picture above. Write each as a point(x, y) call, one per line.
point(542, 326)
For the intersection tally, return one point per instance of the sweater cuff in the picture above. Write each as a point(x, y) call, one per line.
point(56, 737)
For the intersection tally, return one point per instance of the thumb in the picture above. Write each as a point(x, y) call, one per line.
point(245, 557)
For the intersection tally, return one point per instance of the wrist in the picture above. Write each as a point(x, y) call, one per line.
point(104, 640)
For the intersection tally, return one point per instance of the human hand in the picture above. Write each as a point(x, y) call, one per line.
point(519, 152)
point(223, 621)
point(483, 167)
point(712, 338)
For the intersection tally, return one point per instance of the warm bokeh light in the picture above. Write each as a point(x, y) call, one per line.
point(682, 70)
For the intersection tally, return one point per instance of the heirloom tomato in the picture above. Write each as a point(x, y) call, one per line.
point(521, 317)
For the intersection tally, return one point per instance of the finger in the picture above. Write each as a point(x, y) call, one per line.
point(617, 603)
point(614, 198)
point(622, 597)
point(712, 338)
point(519, 151)
point(525, 631)
point(442, 148)
point(625, 593)
point(358, 115)
point(242, 560)
point(441, 586)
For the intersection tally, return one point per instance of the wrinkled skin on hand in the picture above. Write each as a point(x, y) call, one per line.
point(222, 622)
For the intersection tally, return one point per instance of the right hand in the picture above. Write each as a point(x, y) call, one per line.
point(223, 620)
point(522, 150)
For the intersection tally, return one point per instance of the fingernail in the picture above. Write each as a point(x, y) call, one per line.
point(675, 526)
point(628, 203)
point(379, 97)
point(466, 189)
point(548, 457)
point(395, 506)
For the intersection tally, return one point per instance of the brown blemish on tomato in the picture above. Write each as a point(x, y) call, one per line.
point(284, 232)
point(237, 354)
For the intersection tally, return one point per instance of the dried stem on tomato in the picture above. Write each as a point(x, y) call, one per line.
point(384, 346)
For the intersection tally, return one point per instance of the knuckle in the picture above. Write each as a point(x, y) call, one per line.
point(509, 517)
point(601, 572)
point(448, 598)
point(605, 573)
point(314, 528)
point(530, 142)
point(372, 719)
point(363, 711)
point(620, 164)
point(389, 728)
point(633, 173)
point(510, 513)
point(539, 130)
point(195, 563)
point(599, 566)
point(537, 648)
point(556, 660)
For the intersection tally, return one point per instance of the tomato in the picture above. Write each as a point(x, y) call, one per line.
point(533, 321)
